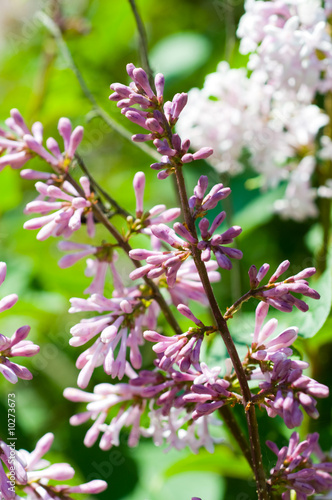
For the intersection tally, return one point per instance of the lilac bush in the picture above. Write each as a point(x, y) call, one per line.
point(182, 398)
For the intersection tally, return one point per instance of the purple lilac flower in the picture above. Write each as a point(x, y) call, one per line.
point(156, 118)
point(279, 294)
point(20, 144)
point(188, 285)
point(263, 348)
point(156, 215)
point(68, 213)
point(285, 389)
point(39, 471)
point(119, 325)
point(216, 243)
point(16, 345)
point(184, 350)
point(105, 397)
point(199, 203)
point(105, 257)
point(297, 471)
point(168, 262)
point(16, 465)
point(167, 412)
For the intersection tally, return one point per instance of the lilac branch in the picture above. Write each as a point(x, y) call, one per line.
point(224, 331)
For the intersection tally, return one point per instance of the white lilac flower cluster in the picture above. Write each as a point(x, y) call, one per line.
point(268, 110)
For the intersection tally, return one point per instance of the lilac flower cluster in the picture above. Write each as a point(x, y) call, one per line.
point(168, 262)
point(171, 400)
point(30, 473)
point(200, 202)
point(285, 389)
point(16, 345)
point(296, 470)
point(120, 326)
point(68, 214)
point(184, 350)
point(279, 294)
point(157, 118)
point(20, 144)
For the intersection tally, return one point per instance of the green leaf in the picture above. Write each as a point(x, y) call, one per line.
point(310, 322)
point(180, 54)
point(223, 462)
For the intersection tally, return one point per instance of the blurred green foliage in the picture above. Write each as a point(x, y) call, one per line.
point(187, 39)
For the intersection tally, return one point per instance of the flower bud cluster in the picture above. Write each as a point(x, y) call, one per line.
point(117, 328)
point(285, 389)
point(297, 470)
point(279, 294)
point(168, 262)
point(184, 350)
point(68, 214)
point(20, 144)
point(16, 345)
point(157, 117)
point(200, 202)
point(31, 474)
point(169, 410)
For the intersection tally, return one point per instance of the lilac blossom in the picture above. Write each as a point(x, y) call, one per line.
point(184, 350)
point(209, 392)
point(292, 29)
point(188, 285)
point(296, 469)
point(166, 412)
point(39, 471)
point(264, 348)
point(105, 258)
point(279, 294)
point(168, 262)
point(216, 242)
point(66, 216)
point(119, 326)
point(156, 215)
point(156, 118)
point(21, 144)
point(200, 202)
point(284, 389)
point(16, 345)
